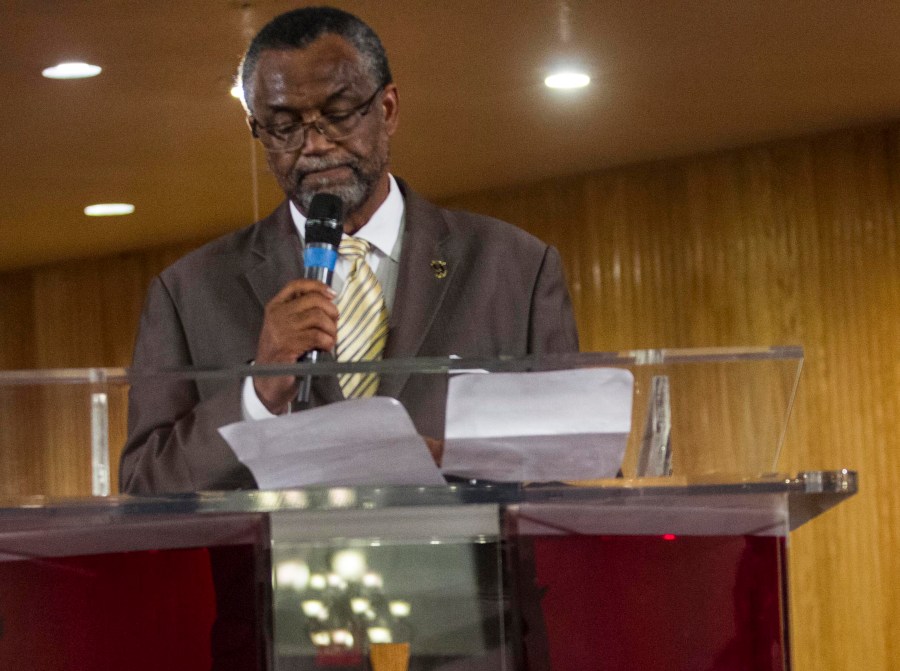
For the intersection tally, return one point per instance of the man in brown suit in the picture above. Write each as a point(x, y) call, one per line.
point(321, 100)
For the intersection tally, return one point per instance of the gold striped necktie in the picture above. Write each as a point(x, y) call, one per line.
point(362, 322)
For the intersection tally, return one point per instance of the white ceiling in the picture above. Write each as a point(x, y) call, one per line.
point(159, 129)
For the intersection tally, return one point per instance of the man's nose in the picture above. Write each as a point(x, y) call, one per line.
point(315, 141)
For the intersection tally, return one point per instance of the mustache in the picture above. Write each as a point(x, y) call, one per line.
point(313, 164)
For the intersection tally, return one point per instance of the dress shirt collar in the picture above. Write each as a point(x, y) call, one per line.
point(382, 229)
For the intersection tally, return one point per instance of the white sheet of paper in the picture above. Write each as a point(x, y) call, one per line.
point(369, 441)
point(538, 427)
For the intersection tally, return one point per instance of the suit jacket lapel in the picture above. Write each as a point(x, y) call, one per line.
point(276, 255)
point(276, 259)
point(420, 291)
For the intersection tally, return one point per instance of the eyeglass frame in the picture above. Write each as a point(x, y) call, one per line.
point(362, 110)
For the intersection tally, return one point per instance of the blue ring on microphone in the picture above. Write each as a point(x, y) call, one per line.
point(320, 257)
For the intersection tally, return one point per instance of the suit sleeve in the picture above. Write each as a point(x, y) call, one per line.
point(552, 327)
point(173, 441)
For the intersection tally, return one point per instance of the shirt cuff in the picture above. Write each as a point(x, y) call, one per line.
point(252, 408)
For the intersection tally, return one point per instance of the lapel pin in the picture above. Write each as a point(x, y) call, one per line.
point(439, 268)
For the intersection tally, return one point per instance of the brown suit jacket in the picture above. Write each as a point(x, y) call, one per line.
point(504, 294)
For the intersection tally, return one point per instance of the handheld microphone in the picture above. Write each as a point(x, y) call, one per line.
point(323, 237)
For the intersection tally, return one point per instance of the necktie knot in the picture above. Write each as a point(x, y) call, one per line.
point(353, 249)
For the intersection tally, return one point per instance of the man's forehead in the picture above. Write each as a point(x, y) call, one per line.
point(328, 61)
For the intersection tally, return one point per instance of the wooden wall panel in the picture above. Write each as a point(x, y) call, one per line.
point(789, 243)
point(17, 321)
point(18, 465)
point(79, 314)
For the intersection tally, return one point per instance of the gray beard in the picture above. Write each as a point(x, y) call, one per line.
point(352, 194)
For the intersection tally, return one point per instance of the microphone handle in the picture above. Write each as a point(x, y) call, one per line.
point(306, 381)
point(320, 273)
point(324, 275)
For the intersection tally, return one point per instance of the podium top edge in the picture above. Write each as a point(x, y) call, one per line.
point(812, 486)
point(424, 365)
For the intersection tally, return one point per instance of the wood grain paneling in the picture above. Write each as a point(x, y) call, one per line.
point(78, 314)
point(17, 320)
point(788, 243)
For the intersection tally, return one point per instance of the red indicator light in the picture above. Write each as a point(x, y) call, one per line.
point(668, 537)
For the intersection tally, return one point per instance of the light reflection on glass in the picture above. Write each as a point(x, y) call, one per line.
point(360, 605)
point(400, 608)
point(379, 635)
point(312, 607)
point(341, 497)
point(292, 574)
point(349, 564)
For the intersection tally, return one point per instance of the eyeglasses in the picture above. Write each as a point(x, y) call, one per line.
point(334, 126)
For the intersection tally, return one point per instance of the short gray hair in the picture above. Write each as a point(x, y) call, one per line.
point(298, 28)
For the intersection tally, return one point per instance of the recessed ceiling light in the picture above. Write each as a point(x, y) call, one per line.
point(72, 71)
point(567, 80)
point(108, 209)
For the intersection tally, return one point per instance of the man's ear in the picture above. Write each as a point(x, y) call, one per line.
point(390, 107)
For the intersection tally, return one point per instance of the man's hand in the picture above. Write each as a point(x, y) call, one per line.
point(301, 317)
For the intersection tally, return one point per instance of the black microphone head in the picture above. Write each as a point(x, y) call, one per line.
point(325, 206)
point(318, 232)
point(323, 223)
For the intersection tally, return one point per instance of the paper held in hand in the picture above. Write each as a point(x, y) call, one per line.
point(369, 441)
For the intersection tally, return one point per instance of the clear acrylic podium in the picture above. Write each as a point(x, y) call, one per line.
point(678, 564)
